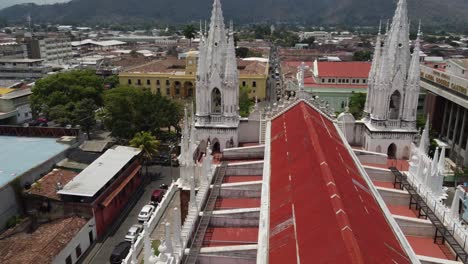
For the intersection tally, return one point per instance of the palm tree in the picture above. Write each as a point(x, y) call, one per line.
point(189, 32)
point(148, 144)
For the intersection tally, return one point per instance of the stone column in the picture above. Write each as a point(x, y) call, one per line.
point(147, 248)
point(134, 260)
point(177, 228)
point(450, 120)
point(444, 120)
point(462, 129)
point(193, 198)
point(456, 203)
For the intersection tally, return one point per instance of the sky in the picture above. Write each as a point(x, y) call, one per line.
point(6, 3)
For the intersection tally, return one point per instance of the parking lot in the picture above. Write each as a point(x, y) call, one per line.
point(102, 250)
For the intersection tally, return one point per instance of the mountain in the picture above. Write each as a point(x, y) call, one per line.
point(446, 13)
point(7, 3)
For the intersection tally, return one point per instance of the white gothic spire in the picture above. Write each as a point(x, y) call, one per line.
point(412, 88)
point(373, 71)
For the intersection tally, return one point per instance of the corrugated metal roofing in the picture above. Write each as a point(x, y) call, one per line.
point(100, 172)
point(321, 209)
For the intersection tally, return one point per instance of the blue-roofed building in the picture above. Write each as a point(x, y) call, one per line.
point(24, 159)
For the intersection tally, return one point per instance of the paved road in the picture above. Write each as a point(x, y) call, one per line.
point(102, 251)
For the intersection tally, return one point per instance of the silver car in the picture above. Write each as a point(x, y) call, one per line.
point(133, 233)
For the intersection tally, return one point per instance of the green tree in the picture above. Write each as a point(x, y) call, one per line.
point(129, 110)
point(148, 144)
point(189, 32)
point(245, 104)
point(356, 104)
point(111, 81)
point(85, 115)
point(242, 52)
point(310, 41)
point(362, 55)
point(64, 88)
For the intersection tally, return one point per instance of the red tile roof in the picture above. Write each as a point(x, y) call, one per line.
point(321, 209)
point(351, 69)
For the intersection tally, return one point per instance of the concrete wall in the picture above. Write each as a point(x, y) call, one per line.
point(394, 197)
point(236, 190)
point(415, 227)
point(249, 131)
point(371, 157)
point(250, 168)
point(81, 239)
point(9, 207)
point(235, 218)
point(255, 152)
point(379, 174)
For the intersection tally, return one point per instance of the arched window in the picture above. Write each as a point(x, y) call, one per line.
point(391, 151)
point(215, 101)
point(394, 106)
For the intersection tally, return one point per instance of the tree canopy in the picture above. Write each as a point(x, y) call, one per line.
point(129, 110)
point(148, 144)
point(245, 104)
point(362, 55)
point(62, 91)
point(356, 104)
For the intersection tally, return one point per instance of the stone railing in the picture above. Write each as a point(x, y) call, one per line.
point(431, 190)
point(152, 222)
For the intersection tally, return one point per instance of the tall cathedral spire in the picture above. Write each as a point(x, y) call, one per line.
point(231, 75)
point(388, 88)
point(412, 88)
point(373, 71)
point(217, 117)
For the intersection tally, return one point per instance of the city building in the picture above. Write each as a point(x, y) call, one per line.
point(333, 82)
point(177, 77)
point(27, 153)
point(318, 35)
point(13, 50)
point(447, 106)
point(302, 194)
point(14, 106)
point(20, 69)
point(60, 241)
point(91, 45)
point(104, 188)
point(51, 49)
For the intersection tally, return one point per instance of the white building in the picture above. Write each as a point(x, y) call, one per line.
point(217, 113)
point(458, 67)
point(15, 107)
point(56, 50)
point(22, 69)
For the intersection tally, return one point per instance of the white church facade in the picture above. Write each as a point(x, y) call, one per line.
point(217, 106)
point(389, 123)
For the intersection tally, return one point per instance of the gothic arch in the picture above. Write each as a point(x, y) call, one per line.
point(392, 151)
point(406, 153)
point(216, 101)
point(394, 105)
point(215, 146)
point(378, 149)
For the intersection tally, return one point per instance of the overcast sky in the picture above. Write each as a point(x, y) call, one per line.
point(6, 3)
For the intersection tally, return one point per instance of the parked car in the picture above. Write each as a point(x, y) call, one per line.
point(120, 252)
point(163, 186)
point(133, 233)
point(157, 196)
point(145, 213)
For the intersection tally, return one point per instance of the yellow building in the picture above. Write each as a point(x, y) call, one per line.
point(176, 77)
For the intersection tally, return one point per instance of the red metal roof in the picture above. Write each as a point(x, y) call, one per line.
point(321, 209)
point(230, 236)
point(345, 69)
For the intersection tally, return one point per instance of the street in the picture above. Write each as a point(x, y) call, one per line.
point(102, 250)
